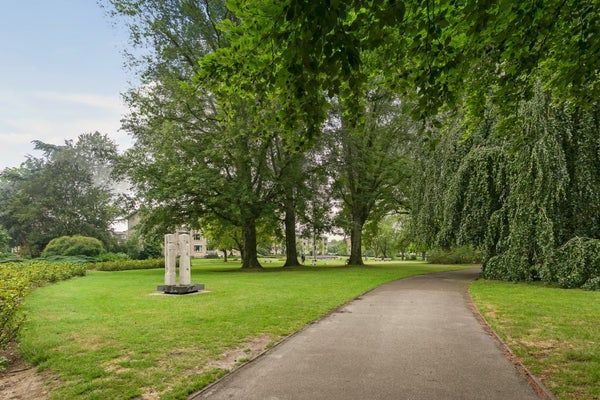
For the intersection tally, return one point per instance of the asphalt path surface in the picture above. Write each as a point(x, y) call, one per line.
point(413, 339)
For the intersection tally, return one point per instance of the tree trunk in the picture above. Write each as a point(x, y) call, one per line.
point(249, 255)
point(291, 253)
point(224, 255)
point(356, 244)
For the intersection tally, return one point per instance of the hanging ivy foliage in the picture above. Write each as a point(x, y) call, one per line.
point(525, 192)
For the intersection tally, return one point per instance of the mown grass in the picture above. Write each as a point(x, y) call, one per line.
point(108, 336)
point(556, 332)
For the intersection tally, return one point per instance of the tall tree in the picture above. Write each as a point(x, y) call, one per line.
point(370, 157)
point(201, 149)
point(64, 192)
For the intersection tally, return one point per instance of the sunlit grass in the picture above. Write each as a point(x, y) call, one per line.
point(109, 336)
point(556, 332)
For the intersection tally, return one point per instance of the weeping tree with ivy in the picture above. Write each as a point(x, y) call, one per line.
point(522, 188)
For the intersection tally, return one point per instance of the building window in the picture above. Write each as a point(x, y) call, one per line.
point(197, 236)
point(197, 248)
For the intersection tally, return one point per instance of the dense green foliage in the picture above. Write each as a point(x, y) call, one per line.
point(440, 52)
point(386, 237)
point(553, 331)
point(141, 247)
point(16, 280)
point(4, 240)
point(456, 255)
point(67, 191)
point(245, 94)
point(76, 245)
point(123, 265)
point(575, 264)
point(517, 191)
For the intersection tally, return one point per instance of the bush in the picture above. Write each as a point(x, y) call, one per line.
point(74, 246)
point(138, 247)
point(112, 257)
point(576, 264)
point(457, 255)
point(127, 265)
point(16, 279)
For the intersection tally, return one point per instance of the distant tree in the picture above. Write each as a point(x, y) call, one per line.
point(370, 162)
point(338, 247)
point(64, 192)
point(141, 247)
point(381, 236)
point(5, 240)
point(222, 236)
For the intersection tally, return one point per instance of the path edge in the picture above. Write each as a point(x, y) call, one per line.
point(536, 384)
point(195, 395)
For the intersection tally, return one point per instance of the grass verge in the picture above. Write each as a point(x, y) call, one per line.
point(108, 335)
point(554, 331)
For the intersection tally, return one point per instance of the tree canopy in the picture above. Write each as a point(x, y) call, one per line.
point(477, 120)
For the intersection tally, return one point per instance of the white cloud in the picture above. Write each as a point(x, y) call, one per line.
point(53, 117)
point(15, 138)
point(85, 99)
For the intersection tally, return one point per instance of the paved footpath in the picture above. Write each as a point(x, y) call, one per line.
point(413, 339)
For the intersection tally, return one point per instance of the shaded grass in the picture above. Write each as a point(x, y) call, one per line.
point(107, 335)
point(556, 332)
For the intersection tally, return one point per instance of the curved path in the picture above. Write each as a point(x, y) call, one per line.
point(411, 339)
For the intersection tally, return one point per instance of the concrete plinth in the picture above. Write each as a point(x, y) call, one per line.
point(180, 289)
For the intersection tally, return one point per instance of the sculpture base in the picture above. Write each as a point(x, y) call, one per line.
point(180, 289)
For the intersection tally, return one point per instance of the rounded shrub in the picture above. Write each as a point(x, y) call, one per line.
point(574, 264)
point(74, 246)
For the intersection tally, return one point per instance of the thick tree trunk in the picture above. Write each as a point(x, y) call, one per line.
point(291, 253)
point(250, 256)
point(224, 255)
point(356, 244)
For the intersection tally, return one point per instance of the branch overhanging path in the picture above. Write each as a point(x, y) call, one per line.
point(413, 339)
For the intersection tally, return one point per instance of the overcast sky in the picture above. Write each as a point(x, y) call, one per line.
point(61, 74)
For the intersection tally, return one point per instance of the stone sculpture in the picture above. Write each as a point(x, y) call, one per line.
point(178, 244)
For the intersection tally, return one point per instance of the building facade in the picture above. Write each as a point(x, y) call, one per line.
point(199, 245)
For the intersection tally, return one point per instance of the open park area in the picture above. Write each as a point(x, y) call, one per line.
point(111, 335)
point(300, 200)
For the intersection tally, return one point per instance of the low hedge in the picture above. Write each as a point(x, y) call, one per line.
point(124, 265)
point(457, 255)
point(16, 280)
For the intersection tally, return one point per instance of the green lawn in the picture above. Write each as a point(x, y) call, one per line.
point(107, 336)
point(556, 332)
